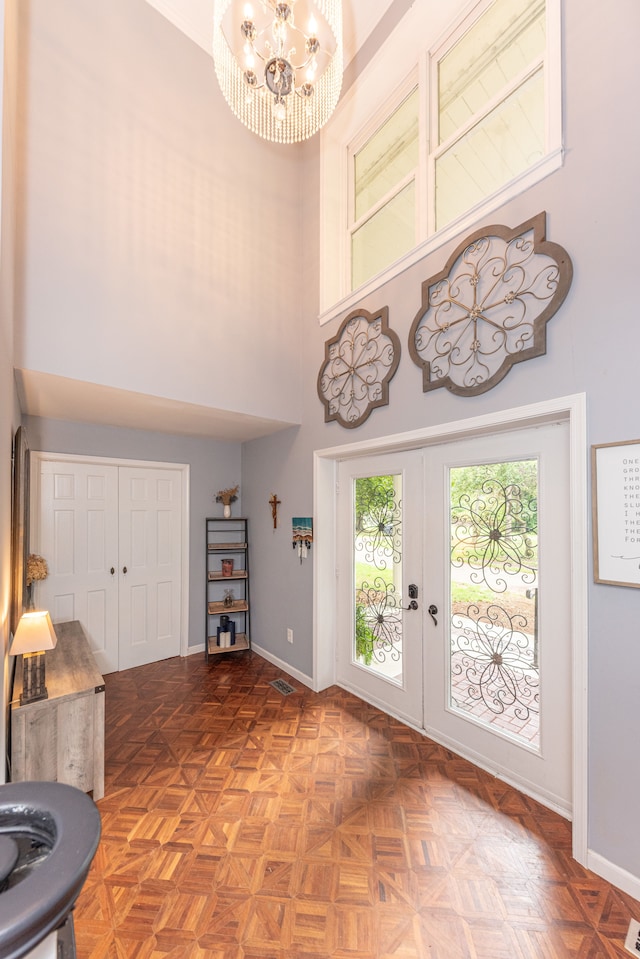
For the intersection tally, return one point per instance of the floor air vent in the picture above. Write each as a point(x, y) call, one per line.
point(282, 686)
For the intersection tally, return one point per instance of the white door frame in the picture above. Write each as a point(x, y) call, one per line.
point(569, 408)
point(40, 456)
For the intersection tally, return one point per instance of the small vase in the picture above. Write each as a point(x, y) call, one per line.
point(227, 511)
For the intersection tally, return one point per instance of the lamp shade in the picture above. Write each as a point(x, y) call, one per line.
point(34, 634)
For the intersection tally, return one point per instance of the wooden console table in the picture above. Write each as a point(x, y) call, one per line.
point(61, 739)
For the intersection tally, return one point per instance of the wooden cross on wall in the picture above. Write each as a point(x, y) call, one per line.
point(275, 502)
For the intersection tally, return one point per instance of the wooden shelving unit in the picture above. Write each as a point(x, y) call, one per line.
point(227, 539)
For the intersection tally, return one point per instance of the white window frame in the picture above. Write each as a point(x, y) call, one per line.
point(417, 174)
point(388, 72)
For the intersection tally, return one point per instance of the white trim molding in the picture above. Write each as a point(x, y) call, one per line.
point(285, 667)
point(614, 874)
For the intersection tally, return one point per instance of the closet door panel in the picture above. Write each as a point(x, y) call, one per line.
point(112, 538)
point(77, 534)
point(150, 552)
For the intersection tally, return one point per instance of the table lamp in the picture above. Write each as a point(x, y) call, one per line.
point(34, 635)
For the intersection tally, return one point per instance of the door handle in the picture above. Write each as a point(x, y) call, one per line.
point(433, 609)
point(124, 569)
point(112, 571)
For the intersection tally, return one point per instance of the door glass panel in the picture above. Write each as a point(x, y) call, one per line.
point(494, 675)
point(377, 569)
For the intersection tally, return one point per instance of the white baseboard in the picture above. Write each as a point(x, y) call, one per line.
point(614, 874)
point(285, 667)
point(533, 790)
point(192, 650)
point(270, 658)
point(523, 786)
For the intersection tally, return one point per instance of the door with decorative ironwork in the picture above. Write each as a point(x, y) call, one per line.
point(498, 659)
point(379, 645)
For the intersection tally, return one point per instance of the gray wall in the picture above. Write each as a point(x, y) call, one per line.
point(213, 466)
point(593, 344)
point(156, 233)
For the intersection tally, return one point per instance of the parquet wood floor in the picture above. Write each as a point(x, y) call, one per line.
point(242, 824)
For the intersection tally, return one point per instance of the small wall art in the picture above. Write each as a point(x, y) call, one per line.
point(360, 361)
point(274, 502)
point(302, 535)
point(616, 513)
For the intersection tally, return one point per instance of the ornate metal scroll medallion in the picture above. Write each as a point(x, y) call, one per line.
point(360, 361)
point(378, 544)
point(491, 653)
point(494, 544)
point(379, 539)
point(382, 616)
point(489, 307)
point(493, 535)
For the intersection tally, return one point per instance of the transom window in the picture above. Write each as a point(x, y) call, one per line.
point(384, 168)
point(479, 123)
point(489, 125)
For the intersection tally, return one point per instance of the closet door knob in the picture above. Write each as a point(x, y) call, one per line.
point(112, 570)
point(124, 569)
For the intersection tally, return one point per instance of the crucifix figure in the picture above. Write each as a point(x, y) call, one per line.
point(275, 502)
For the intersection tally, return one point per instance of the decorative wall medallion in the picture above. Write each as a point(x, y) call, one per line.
point(489, 307)
point(359, 363)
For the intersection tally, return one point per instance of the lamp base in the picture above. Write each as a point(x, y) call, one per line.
point(33, 687)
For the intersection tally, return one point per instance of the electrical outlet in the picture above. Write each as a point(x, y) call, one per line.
point(289, 635)
point(632, 942)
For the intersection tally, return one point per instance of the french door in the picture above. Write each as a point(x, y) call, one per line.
point(479, 529)
point(380, 527)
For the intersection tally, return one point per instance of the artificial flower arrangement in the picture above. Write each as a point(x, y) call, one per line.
point(36, 568)
point(227, 496)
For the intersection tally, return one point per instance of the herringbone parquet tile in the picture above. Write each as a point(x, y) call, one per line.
point(241, 824)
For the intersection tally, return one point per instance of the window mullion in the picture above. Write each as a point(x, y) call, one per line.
point(393, 192)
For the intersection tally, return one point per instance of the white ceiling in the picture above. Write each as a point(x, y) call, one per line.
point(195, 19)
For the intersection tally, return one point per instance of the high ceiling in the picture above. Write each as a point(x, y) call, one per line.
point(195, 17)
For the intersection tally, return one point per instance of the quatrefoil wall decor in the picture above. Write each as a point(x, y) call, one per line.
point(489, 307)
point(360, 361)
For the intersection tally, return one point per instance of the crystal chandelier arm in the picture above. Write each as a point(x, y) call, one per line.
point(260, 88)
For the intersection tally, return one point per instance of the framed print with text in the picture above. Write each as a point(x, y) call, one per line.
point(616, 513)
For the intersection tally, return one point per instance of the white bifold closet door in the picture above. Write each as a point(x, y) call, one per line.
point(112, 537)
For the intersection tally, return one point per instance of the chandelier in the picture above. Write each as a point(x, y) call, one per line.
point(279, 65)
